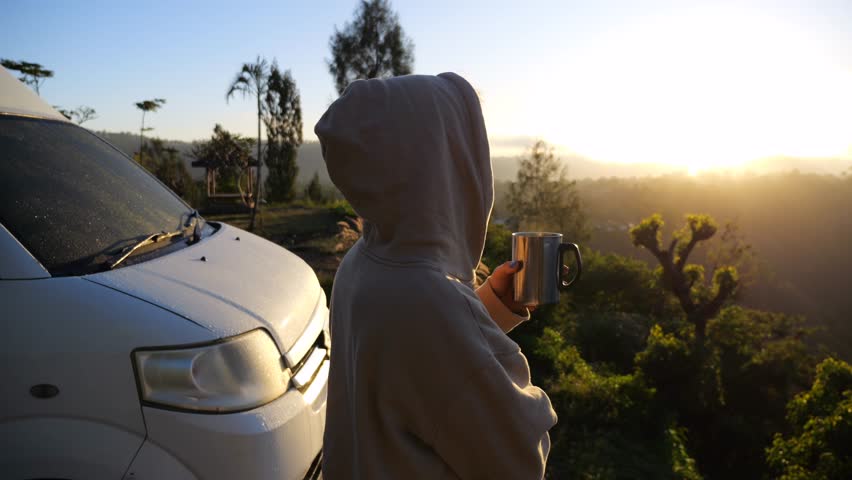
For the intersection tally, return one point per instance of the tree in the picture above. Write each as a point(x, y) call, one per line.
point(731, 248)
point(727, 371)
point(251, 80)
point(634, 397)
point(81, 114)
point(165, 163)
point(821, 418)
point(283, 121)
point(498, 245)
point(699, 301)
point(225, 155)
point(33, 74)
point(148, 106)
point(372, 46)
point(610, 426)
point(313, 191)
point(541, 198)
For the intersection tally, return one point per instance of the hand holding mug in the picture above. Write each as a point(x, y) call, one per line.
point(503, 284)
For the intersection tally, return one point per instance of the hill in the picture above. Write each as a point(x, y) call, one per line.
point(504, 167)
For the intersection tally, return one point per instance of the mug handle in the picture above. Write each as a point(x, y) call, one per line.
point(576, 251)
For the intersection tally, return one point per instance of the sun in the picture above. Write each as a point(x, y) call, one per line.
point(703, 90)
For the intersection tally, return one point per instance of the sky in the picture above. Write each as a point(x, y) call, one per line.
point(687, 83)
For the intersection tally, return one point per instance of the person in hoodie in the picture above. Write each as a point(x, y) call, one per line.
point(424, 382)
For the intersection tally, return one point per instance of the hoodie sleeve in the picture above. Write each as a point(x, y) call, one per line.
point(497, 427)
point(500, 313)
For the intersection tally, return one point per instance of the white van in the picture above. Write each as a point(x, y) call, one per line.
point(138, 340)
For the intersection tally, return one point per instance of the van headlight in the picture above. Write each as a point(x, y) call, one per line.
point(238, 373)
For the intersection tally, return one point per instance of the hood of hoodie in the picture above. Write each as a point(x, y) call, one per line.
point(411, 155)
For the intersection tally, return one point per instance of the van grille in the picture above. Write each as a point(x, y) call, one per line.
point(306, 370)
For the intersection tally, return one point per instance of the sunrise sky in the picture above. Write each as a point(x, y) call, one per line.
point(692, 84)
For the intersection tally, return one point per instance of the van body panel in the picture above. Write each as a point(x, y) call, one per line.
point(64, 447)
point(153, 462)
point(77, 337)
point(17, 98)
point(282, 438)
point(16, 262)
point(230, 282)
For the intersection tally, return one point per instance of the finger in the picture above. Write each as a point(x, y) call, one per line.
point(506, 270)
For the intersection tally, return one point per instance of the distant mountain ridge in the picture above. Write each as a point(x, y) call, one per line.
point(505, 167)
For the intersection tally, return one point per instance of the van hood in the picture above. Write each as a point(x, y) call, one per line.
point(243, 282)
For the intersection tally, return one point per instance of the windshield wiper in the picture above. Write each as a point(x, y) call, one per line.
point(196, 236)
point(150, 239)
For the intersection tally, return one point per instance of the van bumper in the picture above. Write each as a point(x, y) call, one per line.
point(279, 440)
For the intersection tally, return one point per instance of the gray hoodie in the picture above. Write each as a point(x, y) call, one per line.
point(424, 381)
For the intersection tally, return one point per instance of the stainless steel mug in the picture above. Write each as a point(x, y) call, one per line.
point(541, 278)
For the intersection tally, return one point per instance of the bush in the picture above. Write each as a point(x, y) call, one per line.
point(821, 420)
point(342, 209)
point(314, 192)
point(498, 245)
point(610, 426)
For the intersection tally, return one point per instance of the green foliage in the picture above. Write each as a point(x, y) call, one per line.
point(342, 209)
point(32, 74)
point(498, 245)
point(695, 277)
point(250, 81)
point(227, 153)
point(313, 191)
point(165, 163)
point(700, 227)
point(686, 282)
point(612, 283)
point(609, 426)
point(283, 121)
point(780, 268)
point(150, 105)
point(821, 421)
point(623, 327)
point(608, 340)
point(372, 46)
point(147, 106)
point(726, 278)
point(542, 199)
point(648, 233)
point(754, 363)
point(667, 360)
point(609, 313)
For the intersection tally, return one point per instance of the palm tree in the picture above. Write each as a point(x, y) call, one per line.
point(147, 106)
point(252, 80)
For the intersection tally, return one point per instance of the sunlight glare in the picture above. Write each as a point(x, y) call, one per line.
point(705, 89)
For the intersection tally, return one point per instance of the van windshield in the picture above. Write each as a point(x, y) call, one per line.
point(72, 199)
